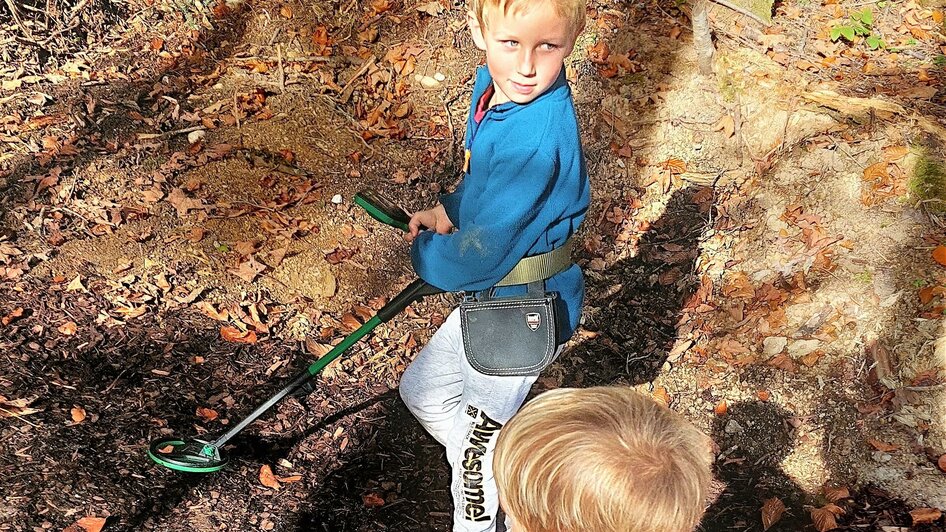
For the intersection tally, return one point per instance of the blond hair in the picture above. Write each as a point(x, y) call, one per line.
point(604, 459)
point(573, 11)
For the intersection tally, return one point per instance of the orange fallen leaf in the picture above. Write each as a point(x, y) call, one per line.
point(285, 11)
point(267, 478)
point(764, 395)
point(926, 294)
point(825, 518)
point(232, 334)
point(925, 516)
point(882, 446)
point(676, 166)
point(372, 500)
point(69, 328)
point(290, 479)
point(661, 394)
point(209, 310)
point(939, 255)
point(16, 313)
point(942, 463)
point(207, 414)
point(835, 494)
point(876, 172)
point(350, 322)
point(722, 408)
point(86, 524)
point(772, 510)
point(599, 53)
point(78, 414)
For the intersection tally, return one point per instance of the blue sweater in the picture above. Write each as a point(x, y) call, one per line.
point(525, 192)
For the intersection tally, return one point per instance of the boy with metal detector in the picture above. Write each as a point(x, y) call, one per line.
point(503, 237)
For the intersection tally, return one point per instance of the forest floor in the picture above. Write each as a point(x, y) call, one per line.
point(764, 253)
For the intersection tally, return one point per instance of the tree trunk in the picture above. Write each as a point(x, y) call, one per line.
point(702, 38)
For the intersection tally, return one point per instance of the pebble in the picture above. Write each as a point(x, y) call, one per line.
point(880, 456)
point(195, 136)
point(337, 199)
point(774, 345)
point(440, 77)
point(429, 83)
point(800, 348)
point(733, 427)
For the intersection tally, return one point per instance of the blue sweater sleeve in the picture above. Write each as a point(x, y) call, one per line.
point(496, 231)
point(451, 203)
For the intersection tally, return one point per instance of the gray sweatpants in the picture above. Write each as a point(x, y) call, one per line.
point(464, 410)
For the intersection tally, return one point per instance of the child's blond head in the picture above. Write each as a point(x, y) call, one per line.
point(572, 11)
point(605, 459)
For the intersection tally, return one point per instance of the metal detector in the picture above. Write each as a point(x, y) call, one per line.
point(201, 456)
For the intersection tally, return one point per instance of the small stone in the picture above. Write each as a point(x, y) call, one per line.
point(440, 77)
point(800, 348)
point(733, 427)
point(880, 456)
point(418, 77)
point(337, 199)
point(429, 83)
point(774, 345)
point(195, 136)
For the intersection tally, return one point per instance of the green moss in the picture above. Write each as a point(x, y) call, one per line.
point(865, 277)
point(928, 183)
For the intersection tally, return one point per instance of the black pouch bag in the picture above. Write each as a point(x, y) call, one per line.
point(505, 336)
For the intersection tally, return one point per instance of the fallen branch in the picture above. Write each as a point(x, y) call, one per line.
point(856, 106)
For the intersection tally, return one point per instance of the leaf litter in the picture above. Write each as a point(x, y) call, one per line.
point(234, 235)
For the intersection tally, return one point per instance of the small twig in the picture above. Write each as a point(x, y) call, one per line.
point(18, 416)
point(931, 388)
point(282, 72)
point(345, 93)
point(148, 136)
point(236, 109)
point(743, 11)
point(304, 59)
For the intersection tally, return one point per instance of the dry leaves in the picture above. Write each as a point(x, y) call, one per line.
point(925, 516)
point(431, 8)
point(942, 463)
point(86, 524)
point(372, 500)
point(660, 394)
point(882, 446)
point(69, 328)
point(726, 124)
point(267, 478)
point(17, 407)
point(248, 270)
point(13, 315)
point(207, 414)
point(825, 518)
point(721, 408)
point(939, 255)
point(772, 510)
point(78, 414)
point(270, 480)
point(232, 334)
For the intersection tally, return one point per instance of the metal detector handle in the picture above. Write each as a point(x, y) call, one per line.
point(382, 209)
point(414, 292)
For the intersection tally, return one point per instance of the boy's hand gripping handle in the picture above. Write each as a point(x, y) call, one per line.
point(387, 212)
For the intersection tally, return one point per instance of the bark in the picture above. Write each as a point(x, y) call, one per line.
point(702, 37)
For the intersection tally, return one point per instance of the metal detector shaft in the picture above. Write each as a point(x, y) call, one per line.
point(412, 293)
